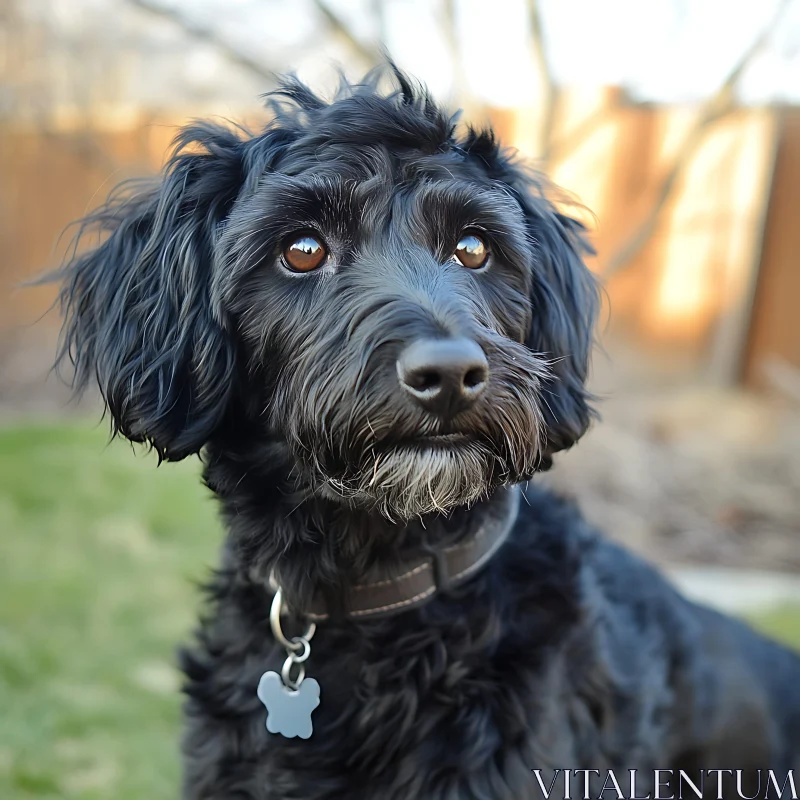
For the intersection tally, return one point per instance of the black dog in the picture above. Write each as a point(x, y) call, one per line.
point(375, 331)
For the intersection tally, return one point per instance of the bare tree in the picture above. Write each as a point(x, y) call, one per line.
point(552, 149)
point(550, 90)
point(714, 108)
point(203, 33)
point(336, 24)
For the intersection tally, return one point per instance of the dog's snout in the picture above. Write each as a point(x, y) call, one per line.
point(444, 376)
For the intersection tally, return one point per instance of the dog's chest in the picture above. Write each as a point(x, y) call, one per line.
point(426, 712)
point(462, 698)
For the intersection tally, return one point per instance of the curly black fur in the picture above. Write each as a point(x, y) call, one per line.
point(564, 652)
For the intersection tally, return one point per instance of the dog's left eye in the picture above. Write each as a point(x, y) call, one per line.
point(471, 251)
point(304, 254)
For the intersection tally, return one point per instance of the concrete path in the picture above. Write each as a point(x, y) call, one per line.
point(737, 591)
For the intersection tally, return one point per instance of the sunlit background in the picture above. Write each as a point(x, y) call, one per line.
point(674, 122)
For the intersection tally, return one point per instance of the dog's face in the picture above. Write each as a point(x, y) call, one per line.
point(406, 311)
point(385, 296)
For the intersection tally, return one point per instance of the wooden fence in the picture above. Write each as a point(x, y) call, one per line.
point(688, 301)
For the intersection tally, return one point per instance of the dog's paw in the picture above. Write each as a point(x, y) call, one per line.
point(288, 711)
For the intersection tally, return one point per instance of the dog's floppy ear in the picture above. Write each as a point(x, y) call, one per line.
point(138, 316)
point(564, 295)
point(564, 301)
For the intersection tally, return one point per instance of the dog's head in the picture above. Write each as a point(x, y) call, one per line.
point(406, 309)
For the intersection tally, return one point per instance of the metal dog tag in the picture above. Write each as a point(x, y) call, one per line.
point(289, 701)
point(288, 710)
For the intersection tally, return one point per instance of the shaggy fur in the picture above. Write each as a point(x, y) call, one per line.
point(564, 652)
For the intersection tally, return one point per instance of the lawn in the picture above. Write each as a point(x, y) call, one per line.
point(100, 557)
point(101, 552)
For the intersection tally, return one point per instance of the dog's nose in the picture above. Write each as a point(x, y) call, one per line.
point(444, 376)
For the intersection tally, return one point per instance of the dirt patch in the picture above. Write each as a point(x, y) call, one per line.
point(692, 475)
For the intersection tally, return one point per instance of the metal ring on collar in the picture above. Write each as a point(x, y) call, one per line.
point(297, 643)
point(299, 659)
point(286, 670)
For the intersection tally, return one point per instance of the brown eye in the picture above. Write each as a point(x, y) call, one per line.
point(471, 252)
point(305, 253)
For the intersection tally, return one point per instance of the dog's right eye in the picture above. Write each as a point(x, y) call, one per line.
point(471, 252)
point(305, 253)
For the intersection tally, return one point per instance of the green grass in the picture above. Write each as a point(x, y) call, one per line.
point(99, 556)
point(781, 623)
point(100, 553)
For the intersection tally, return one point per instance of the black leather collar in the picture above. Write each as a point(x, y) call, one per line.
point(414, 582)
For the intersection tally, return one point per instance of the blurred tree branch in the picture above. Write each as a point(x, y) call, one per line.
point(551, 91)
point(570, 141)
point(451, 37)
point(371, 55)
point(203, 33)
point(719, 105)
point(368, 53)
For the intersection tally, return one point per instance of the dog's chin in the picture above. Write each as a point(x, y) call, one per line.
point(418, 477)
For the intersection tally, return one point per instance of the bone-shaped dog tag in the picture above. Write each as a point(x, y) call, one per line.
point(288, 711)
